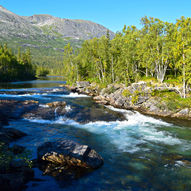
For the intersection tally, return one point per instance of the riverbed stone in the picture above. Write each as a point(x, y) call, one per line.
point(57, 104)
point(69, 153)
point(9, 134)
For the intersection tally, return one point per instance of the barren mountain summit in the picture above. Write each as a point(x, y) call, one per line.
point(27, 27)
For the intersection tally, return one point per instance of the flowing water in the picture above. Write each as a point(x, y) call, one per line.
point(140, 153)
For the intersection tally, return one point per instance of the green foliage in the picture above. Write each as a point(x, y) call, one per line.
point(135, 96)
point(6, 156)
point(42, 72)
point(172, 100)
point(157, 52)
point(110, 90)
point(126, 93)
point(26, 155)
point(134, 99)
point(13, 68)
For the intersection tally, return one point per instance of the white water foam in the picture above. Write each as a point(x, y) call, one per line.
point(44, 106)
point(127, 135)
point(68, 108)
point(36, 95)
point(57, 89)
point(71, 95)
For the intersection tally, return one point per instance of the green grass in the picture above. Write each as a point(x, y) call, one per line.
point(173, 100)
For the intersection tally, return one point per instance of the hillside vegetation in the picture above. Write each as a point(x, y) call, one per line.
point(160, 51)
point(14, 68)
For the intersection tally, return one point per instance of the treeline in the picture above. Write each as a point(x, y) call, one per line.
point(160, 50)
point(18, 67)
point(13, 68)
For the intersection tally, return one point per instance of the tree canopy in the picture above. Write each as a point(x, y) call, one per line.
point(13, 68)
point(160, 50)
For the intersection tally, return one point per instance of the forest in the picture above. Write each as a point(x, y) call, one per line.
point(18, 67)
point(159, 50)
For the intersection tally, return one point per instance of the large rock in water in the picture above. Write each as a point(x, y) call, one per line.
point(69, 153)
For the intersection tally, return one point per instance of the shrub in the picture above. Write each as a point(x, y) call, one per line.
point(6, 156)
point(172, 100)
point(126, 93)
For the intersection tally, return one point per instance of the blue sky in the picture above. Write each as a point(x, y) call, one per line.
point(110, 13)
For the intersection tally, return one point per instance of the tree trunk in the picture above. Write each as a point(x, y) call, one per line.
point(112, 70)
point(184, 75)
point(184, 82)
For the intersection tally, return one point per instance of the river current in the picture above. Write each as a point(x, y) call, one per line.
point(140, 153)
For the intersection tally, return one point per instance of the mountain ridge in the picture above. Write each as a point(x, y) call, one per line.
point(72, 28)
point(46, 35)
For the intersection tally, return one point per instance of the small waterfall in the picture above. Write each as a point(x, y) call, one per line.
point(55, 113)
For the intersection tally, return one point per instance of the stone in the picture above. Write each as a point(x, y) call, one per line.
point(57, 104)
point(82, 84)
point(142, 99)
point(11, 109)
point(69, 153)
point(183, 112)
point(120, 102)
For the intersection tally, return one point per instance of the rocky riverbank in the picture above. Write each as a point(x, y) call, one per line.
point(146, 97)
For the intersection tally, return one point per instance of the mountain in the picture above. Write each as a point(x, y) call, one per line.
point(77, 29)
point(45, 35)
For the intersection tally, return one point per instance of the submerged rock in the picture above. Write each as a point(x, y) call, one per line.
point(50, 111)
point(9, 134)
point(93, 114)
point(69, 153)
point(11, 109)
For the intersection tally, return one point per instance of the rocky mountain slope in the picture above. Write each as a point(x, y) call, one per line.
point(77, 29)
point(12, 25)
point(45, 35)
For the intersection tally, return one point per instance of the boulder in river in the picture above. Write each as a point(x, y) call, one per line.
point(69, 153)
point(49, 111)
point(67, 160)
point(11, 109)
point(56, 104)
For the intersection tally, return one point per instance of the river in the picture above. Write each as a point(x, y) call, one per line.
point(140, 153)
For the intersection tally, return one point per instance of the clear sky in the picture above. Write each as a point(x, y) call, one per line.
point(111, 13)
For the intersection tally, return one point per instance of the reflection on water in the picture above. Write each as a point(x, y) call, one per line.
point(140, 153)
point(50, 81)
